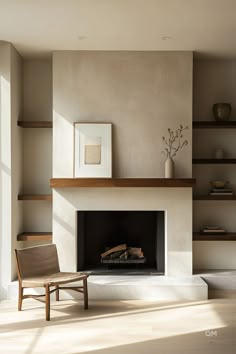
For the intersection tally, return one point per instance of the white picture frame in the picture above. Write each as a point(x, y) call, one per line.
point(93, 150)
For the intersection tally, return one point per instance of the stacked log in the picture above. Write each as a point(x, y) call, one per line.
point(123, 253)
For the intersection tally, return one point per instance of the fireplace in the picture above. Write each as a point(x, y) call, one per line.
point(174, 204)
point(98, 231)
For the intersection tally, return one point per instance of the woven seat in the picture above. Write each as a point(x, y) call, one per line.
point(51, 279)
point(39, 267)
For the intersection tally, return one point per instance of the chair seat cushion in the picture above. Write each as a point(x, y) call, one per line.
point(52, 279)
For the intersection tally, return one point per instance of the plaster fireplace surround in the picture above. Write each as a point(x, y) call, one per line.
point(176, 202)
point(177, 283)
point(142, 94)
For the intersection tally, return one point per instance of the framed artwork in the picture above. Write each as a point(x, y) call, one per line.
point(93, 150)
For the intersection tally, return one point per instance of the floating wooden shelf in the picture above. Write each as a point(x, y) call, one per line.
point(121, 182)
point(34, 124)
point(35, 236)
point(47, 197)
point(229, 236)
point(214, 161)
point(214, 125)
point(214, 197)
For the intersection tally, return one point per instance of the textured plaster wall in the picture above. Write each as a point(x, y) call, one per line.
point(141, 93)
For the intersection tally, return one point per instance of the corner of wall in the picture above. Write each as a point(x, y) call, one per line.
point(16, 65)
point(5, 166)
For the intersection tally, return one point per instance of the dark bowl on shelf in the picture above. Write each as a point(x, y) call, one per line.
point(221, 111)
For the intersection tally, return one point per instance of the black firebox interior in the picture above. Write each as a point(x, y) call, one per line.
point(99, 230)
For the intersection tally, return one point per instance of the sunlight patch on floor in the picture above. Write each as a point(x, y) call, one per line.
point(105, 325)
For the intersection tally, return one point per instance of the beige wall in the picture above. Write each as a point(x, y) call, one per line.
point(37, 90)
point(37, 163)
point(141, 93)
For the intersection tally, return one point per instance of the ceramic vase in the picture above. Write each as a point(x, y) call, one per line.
point(169, 168)
point(221, 111)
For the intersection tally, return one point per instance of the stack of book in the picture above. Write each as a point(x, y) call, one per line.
point(221, 191)
point(213, 230)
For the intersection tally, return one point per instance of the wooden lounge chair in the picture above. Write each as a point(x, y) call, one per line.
point(39, 267)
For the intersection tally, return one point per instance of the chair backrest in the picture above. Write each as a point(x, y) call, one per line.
point(39, 260)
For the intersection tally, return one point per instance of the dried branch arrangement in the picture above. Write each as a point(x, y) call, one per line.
point(174, 142)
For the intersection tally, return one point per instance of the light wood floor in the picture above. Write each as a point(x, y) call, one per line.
point(120, 327)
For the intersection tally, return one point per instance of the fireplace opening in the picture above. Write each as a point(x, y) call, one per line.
point(121, 242)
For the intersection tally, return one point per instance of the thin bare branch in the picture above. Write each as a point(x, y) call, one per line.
point(174, 141)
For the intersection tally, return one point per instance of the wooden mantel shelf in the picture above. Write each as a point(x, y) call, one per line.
point(121, 182)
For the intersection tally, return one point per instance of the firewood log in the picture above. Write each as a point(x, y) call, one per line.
point(124, 255)
point(114, 249)
point(135, 251)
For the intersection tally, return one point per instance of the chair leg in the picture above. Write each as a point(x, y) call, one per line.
point(47, 295)
point(57, 293)
point(85, 285)
point(20, 297)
